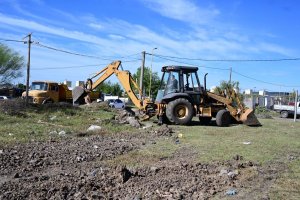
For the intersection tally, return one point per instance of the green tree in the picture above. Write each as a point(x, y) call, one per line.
point(146, 81)
point(11, 64)
point(226, 85)
point(110, 88)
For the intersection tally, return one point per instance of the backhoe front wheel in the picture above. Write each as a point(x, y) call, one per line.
point(180, 111)
point(223, 118)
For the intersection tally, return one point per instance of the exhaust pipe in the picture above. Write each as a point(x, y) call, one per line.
point(205, 81)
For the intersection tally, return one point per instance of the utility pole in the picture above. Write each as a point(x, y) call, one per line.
point(151, 73)
point(28, 66)
point(295, 109)
point(230, 74)
point(142, 74)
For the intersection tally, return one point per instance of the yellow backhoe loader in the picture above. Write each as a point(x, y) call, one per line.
point(180, 97)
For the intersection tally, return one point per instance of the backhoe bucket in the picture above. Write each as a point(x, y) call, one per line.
point(78, 94)
point(248, 118)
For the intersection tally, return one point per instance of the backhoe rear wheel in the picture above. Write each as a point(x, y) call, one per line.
point(180, 111)
point(223, 118)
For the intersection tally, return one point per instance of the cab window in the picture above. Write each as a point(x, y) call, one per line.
point(190, 82)
point(53, 88)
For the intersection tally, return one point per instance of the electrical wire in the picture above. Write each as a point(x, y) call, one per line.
point(81, 66)
point(68, 67)
point(275, 84)
point(189, 63)
point(10, 40)
point(84, 55)
point(68, 52)
point(229, 60)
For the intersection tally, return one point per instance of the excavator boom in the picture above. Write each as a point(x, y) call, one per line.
point(124, 77)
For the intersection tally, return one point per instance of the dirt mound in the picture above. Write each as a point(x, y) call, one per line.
point(96, 105)
point(13, 107)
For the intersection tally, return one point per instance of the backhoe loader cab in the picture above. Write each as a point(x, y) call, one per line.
point(179, 81)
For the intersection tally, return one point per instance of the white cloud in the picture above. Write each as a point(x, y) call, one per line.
point(116, 37)
point(34, 26)
point(96, 26)
point(183, 10)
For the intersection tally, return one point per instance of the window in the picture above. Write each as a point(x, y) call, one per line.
point(39, 86)
point(118, 101)
point(170, 82)
point(53, 88)
point(190, 82)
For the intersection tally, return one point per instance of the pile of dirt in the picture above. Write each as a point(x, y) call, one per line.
point(96, 106)
point(14, 107)
point(126, 116)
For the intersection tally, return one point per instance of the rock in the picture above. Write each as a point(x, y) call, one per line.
point(62, 133)
point(1, 151)
point(147, 125)
point(94, 128)
point(77, 194)
point(93, 173)
point(231, 192)
point(154, 169)
point(233, 174)
point(247, 143)
point(79, 158)
point(53, 118)
point(222, 172)
point(95, 147)
point(53, 133)
point(212, 191)
point(133, 122)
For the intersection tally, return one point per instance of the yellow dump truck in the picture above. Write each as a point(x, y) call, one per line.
point(42, 92)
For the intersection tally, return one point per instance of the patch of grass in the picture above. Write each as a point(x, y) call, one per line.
point(36, 122)
point(267, 143)
point(288, 184)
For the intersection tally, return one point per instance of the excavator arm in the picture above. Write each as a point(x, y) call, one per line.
point(124, 77)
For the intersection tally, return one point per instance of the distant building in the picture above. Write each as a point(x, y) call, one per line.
point(79, 83)
point(68, 83)
point(265, 98)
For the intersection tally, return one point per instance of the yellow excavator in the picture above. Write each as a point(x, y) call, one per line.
point(179, 99)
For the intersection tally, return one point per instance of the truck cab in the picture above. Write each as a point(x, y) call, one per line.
point(42, 92)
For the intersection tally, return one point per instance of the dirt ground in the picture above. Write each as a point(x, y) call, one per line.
point(77, 168)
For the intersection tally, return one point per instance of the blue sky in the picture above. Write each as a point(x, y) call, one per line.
point(122, 29)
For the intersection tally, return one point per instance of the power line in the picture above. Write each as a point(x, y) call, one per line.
point(245, 76)
point(68, 52)
point(10, 40)
point(82, 66)
point(230, 60)
point(84, 55)
point(275, 84)
point(188, 63)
